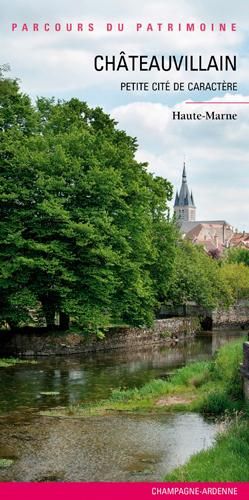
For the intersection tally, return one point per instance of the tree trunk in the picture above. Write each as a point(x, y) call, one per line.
point(185, 309)
point(64, 321)
point(49, 313)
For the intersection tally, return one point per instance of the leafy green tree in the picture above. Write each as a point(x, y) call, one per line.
point(197, 277)
point(16, 109)
point(82, 224)
point(238, 256)
point(236, 276)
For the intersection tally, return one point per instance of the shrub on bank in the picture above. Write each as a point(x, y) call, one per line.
point(227, 368)
point(227, 390)
point(215, 386)
point(216, 403)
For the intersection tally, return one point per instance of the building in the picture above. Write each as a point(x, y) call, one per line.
point(240, 240)
point(184, 206)
point(214, 235)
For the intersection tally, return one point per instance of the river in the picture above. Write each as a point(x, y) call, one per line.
point(110, 448)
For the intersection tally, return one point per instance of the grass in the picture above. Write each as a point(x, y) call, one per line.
point(144, 398)
point(226, 461)
point(5, 462)
point(7, 362)
point(212, 388)
point(207, 387)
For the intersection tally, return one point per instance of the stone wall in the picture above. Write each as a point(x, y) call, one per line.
point(235, 316)
point(44, 344)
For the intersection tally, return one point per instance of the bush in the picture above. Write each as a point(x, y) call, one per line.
point(236, 275)
point(216, 403)
point(226, 368)
point(225, 372)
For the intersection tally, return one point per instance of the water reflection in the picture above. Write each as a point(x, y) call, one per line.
point(113, 448)
point(220, 338)
point(92, 377)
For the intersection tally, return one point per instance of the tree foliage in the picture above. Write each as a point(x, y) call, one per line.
point(82, 224)
point(238, 256)
point(197, 277)
point(235, 270)
point(237, 277)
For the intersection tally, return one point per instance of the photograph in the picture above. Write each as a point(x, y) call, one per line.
point(124, 249)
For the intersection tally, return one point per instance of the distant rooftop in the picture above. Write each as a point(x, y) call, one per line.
point(187, 226)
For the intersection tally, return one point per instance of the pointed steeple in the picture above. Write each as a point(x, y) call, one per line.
point(184, 206)
point(184, 196)
point(184, 175)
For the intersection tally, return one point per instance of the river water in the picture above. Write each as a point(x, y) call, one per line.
point(110, 448)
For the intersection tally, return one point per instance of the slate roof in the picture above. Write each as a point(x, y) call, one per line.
point(184, 198)
point(187, 226)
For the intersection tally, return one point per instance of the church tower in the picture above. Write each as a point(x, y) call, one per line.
point(184, 207)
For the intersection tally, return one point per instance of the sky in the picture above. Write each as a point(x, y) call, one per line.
point(61, 65)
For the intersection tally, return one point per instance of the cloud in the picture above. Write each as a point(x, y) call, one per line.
point(61, 65)
point(216, 152)
point(56, 63)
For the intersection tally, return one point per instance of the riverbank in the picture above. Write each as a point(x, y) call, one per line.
point(212, 388)
point(8, 362)
point(149, 442)
point(227, 460)
point(40, 342)
point(167, 331)
point(209, 387)
point(183, 392)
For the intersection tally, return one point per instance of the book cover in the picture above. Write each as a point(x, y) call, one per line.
point(124, 231)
